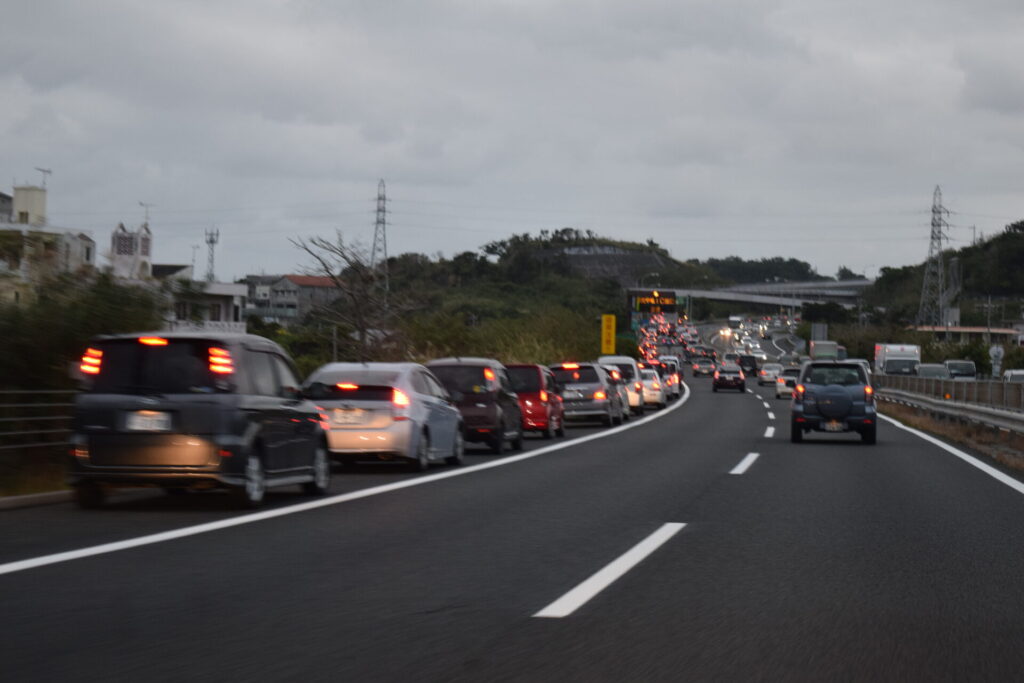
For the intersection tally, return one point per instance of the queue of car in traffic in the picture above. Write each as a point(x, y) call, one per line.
point(185, 411)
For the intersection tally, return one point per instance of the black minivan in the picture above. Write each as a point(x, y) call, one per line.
point(193, 410)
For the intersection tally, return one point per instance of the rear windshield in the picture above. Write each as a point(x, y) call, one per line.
point(175, 366)
point(352, 386)
point(791, 372)
point(524, 379)
point(627, 370)
point(900, 366)
point(582, 375)
point(932, 371)
point(466, 379)
point(834, 374)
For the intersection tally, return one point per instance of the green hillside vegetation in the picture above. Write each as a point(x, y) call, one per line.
point(990, 268)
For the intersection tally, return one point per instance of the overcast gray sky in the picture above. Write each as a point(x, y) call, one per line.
point(802, 128)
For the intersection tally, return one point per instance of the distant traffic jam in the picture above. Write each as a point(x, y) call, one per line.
point(193, 411)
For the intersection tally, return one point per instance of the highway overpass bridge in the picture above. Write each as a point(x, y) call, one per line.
point(788, 294)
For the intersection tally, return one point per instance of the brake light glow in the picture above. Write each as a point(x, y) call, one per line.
point(400, 405)
point(543, 396)
point(91, 361)
point(798, 393)
point(153, 341)
point(570, 366)
point(488, 373)
point(638, 386)
point(600, 395)
point(347, 386)
point(716, 374)
point(220, 361)
point(869, 395)
point(657, 386)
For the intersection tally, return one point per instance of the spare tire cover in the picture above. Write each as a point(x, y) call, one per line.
point(834, 402)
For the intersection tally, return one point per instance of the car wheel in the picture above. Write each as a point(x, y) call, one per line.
point(421, 461)
point(743, 388)
point(321, 473)
point(548, 432)
point(560, 432)
point(796, 435)
point(517, 442)
point(714, 387)
point(869, 436)
point(458, 455)
point(497, 442)
point(607, 420)
point(89, 495)
point(251, 493)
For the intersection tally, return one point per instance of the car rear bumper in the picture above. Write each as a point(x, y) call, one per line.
point(185, 477)
point(586, 410)
point(819, 423)
point(395, 439)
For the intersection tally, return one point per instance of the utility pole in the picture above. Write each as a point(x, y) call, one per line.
point(930, 310)
point(146, 207)
point(212, 236)
point(46, 174)
point(379, 252)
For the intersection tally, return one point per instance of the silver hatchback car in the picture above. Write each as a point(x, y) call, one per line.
point(386, 411)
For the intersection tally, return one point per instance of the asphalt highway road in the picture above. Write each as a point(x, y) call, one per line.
point(663, 551)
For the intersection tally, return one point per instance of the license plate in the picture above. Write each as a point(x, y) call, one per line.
point(833, 426)
point(149, 421)
point(348, 417)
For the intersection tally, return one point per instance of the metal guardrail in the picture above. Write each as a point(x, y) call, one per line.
point(1004, 396)
point(34, 419)
point(1005, 420)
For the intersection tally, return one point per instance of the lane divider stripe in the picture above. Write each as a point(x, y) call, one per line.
point(583, 593)
point(195, 530)
point(769, 432)
point(745, 463)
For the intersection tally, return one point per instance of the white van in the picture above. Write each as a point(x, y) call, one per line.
point(631, 376)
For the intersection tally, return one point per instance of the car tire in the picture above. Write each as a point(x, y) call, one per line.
point(796, 435)
point(90, 496)
point(252, 492)
point(517, 441)
point(497, 443)
point(421, 461)
point(548, 432)
point(321, 483)
point(608, 420)
point(458, 456)
point(560, 432)
point(869, 436)
point(714, 387)
point(743, 388)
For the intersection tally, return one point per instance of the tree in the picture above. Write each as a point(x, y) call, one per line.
point(362, 306)
point(847, 274)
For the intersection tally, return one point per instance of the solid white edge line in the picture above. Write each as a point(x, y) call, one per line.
point(966, 457)
point(769, 432)
point(584, 592)
point(745, 463)
point(771, 415)
point(104, 548)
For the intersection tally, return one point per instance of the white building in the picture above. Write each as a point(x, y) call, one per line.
point(131, 252)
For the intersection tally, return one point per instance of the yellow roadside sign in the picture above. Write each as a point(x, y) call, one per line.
point(607, 334)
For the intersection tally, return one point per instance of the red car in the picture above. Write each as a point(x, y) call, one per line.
point(539, 400)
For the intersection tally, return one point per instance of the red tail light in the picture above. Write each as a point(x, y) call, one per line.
point(716, 374)
point(543, 396)
point(798, 392)
point(220, 361)
point(869, 395)
point(657, 386)
point(638, 386)
point(91, 362)
point(694, 366)
point(400, 405)
point(488, 373)
point(742, 376)
point(153, 341)
point(600, 395)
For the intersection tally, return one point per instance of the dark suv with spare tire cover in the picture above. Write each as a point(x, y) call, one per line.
point(833, 396)
point(482, 391)
point(193, 410)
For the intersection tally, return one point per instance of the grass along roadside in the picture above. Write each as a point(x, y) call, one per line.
point(1006, 448)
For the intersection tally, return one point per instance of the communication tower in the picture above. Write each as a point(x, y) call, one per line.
point(379, 252)
point(932, 294)
point(212, 236)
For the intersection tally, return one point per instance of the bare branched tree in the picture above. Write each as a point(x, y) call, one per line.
point(361, 305)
